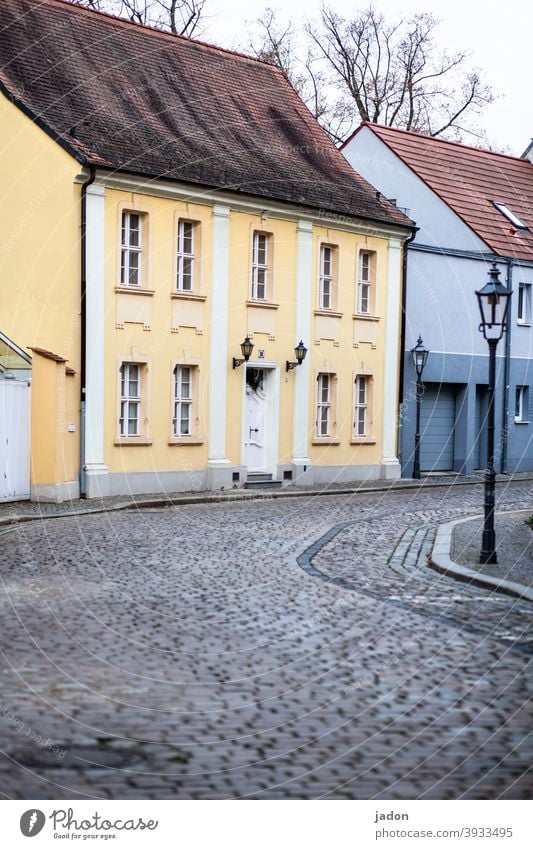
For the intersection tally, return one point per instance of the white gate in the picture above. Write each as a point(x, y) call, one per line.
point(15, 406)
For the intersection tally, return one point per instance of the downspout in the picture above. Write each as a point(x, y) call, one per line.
point(506, 375)
point(83, 315)
point(402, 340)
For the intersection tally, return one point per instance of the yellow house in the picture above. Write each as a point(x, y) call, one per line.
point(175, 224)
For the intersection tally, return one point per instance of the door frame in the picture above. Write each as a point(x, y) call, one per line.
point(271, 431)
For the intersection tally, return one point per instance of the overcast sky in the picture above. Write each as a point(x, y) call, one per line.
point(499, 37)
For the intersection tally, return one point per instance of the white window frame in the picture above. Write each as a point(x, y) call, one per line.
point(129, 401)
point(364, 282)
point(260, 268)
point(182, 402)
point(129, 250)
point(361, 405)
point(326, 280)
point(323, 406)
point(184, 256)
point(524, 303)
point(521, 398)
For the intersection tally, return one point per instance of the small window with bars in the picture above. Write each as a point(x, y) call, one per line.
point(130, 399)
point(131, 249)
point(182, 416)
point(185, 266)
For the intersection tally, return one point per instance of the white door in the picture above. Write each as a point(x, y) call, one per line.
point(14, 439)
point(254, 420)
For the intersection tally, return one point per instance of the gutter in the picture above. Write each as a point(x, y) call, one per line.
point(83, 316)
point(507, 374)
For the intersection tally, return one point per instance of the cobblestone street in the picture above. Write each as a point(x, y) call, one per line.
point(291, 648)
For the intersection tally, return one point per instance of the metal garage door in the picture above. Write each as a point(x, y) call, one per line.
point(437, 428)
point(14, 439)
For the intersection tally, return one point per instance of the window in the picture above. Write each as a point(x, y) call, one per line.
point(326, 282)
point(501, 207)
point(131, 249)
point(182, 415)
point(323, 414)
point(130, 399)
point(260, 266)
point(365, 282)
point(185, 267)
point(521, 404)
point(361, 406)
point(524, 303)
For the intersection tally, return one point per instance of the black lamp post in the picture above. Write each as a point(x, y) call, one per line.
point(493, 301)
point(300, 351)
point(420, 356)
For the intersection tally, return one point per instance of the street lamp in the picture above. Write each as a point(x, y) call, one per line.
point(493, 300)
point(300, 351)
point(420, 357)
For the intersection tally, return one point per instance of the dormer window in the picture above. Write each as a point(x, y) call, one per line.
point(515, 221)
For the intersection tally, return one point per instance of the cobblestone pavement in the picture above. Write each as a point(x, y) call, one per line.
point(293, 648)
point(514, 543)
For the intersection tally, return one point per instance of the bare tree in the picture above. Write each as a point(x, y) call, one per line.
point(394, 74)
point(179, 16)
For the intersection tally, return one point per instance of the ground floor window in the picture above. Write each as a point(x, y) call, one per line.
point(130, 399)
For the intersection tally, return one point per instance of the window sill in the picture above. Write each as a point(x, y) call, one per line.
point(134, 290)
point(521, 421)
point(188, 296)
point(523, 323)
point(325, 440)
point(329, 313)
point(133, 440)
point(267, 305)
point(365, 316)
point(185, 440)
point(363, 440)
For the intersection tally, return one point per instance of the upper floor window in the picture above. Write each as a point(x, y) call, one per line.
point(326, 289)
point(521, 404)
point(524, 303)
point(130, 399)
point(365, 282)
point(261, 249)
point(183, 401)
point(186, 256)
point(131, 249)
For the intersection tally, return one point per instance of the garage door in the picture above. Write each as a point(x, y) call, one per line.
point(437, 428)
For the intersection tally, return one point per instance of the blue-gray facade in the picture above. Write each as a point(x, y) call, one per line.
point(445, 263)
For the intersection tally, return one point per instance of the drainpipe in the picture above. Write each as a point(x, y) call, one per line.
point(507, 374)
point(402, 337)
point(83, 314)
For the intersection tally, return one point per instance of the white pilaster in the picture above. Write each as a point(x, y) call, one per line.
point(218, 362)
point(391, 466)
point(94, 349)
point(301, 376)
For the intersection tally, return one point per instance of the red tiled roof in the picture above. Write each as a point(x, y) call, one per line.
point(468, 180)
point(139, 100)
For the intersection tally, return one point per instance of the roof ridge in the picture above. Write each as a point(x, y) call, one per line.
point(437, 140)
point(159, 32)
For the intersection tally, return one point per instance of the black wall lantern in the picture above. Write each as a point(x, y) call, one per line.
point(246, 347)
point(300, 351)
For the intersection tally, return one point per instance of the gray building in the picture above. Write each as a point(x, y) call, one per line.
point(472, 208)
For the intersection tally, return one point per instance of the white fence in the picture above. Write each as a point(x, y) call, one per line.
point(15, 406)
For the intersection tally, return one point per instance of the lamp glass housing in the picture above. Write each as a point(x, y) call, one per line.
point(493, 300)
point(300, 352)
point(420, 357)
point(247, 347)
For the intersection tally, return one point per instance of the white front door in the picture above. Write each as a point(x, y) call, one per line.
point(14, 439)
point(255, 419)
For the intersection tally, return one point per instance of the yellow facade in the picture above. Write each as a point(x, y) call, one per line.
point(157, 329)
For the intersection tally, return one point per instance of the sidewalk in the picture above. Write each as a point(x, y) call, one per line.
point(19, 511)
point(457, 548)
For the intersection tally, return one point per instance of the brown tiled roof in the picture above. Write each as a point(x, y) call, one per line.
point(468, 180)
point(140, 100)
point(48, 355)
